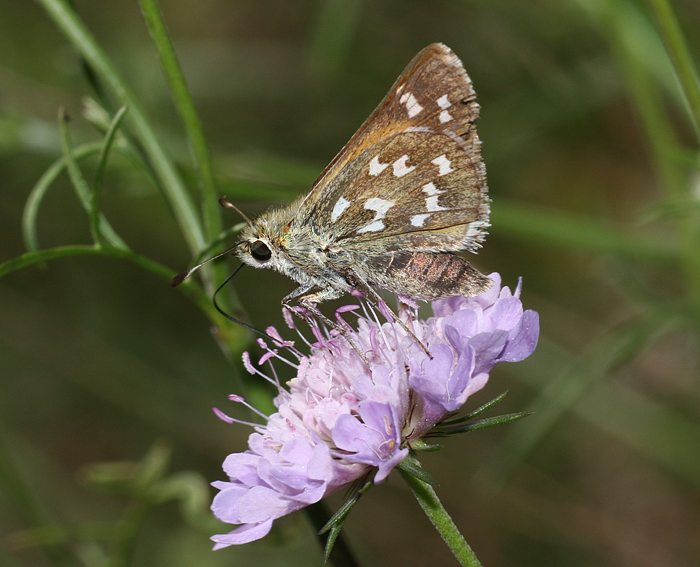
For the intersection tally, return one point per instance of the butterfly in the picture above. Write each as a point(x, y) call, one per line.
point(393, 207)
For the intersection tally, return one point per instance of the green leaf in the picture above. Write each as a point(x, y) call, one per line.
point(36, 197)
point(82, 189)
point(40, 256)
point(333, 534)
point(414, 468)
point(420, 446)
point(476, 412)
point(185, 107)
point(357, 490)
point(107, 143)
point(445, 430)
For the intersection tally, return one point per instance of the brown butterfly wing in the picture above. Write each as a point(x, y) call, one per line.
point(412, 175)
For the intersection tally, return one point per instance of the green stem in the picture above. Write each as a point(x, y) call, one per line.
point(438, 516)
point(96, 201)
point(188, 114)
point(33, 258)
point(680, 56)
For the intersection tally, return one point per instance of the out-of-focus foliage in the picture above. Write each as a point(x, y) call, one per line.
point(591, 145)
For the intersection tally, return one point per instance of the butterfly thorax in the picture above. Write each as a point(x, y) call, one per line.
point(279, 241)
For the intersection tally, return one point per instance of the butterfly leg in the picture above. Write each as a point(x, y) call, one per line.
point(310, 301)
point(301, 290)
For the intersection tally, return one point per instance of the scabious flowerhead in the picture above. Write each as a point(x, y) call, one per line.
point(359, 398)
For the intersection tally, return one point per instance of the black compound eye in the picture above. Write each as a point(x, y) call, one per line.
point(260, 251)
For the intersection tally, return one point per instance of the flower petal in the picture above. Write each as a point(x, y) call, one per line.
point(244, 534)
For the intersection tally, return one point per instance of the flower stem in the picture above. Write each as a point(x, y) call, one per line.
point(433, 508)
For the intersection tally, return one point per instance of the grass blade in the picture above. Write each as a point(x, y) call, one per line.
point(484, 423)
point(99, 174)
point(185, 107)
point(38, 192)
point(101, 230)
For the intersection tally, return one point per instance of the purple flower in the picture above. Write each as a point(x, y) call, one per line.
point(358, 399)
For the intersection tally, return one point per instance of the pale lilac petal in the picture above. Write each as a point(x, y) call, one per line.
point(243, 534)
point(488, 348)
point(375, 441)
point(523, 340)
point(506, 313)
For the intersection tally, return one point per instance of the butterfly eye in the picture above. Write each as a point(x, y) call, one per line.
point(260, 251)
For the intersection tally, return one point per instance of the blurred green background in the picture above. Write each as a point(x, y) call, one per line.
point(594, 172)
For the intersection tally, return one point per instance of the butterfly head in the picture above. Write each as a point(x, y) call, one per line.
point(264, 243)
point(257, 247)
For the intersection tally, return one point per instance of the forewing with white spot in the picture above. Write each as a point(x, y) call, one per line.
point(412, 175)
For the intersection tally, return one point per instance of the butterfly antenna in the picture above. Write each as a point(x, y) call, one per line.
point(226, 204)
point(182, 276)
point(228, 315)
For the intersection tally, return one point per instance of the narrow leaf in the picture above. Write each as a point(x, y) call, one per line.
point(36, 197)
point(477, 411)
point(107, 144)
point(82, 189)
point(185, 107)
point(341, 513)
point(443, 431)
point(412, 466)
point(41, 256)
point(330, 542)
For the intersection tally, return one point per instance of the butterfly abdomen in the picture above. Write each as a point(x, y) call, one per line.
point(428, 275)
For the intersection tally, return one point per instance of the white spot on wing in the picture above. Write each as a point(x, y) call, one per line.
point(443, 102)
point(431, 201)
point(374, 226)
point(430, 189)
point(412, 106)
point(444, 164)
point(376, 167)
point(432, 205)
point(445, 117)
point(380, 208)
point(339, 208)
point(400, 167)
point(419, 220)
